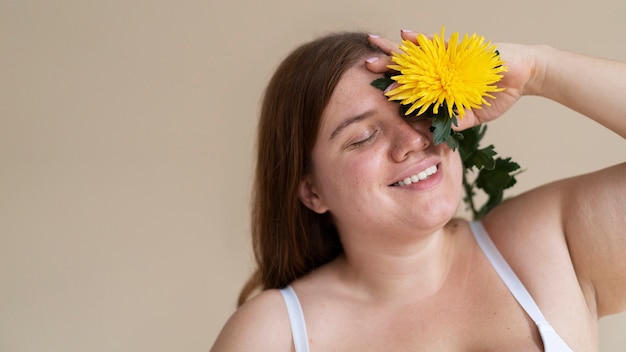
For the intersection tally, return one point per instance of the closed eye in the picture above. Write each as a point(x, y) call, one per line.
point(364, 142)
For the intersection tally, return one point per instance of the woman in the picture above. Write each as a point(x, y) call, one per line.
point(367, 263)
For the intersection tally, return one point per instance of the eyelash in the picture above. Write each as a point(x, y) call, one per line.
point(364, 141)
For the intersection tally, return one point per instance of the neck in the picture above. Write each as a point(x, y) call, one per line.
point(398, 271)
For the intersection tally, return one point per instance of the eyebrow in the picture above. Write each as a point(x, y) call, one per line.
point(347, 122)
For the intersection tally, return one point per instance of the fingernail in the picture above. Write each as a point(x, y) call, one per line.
point(391, 86)
point(371, 60)
point(406, 31)
point(373, 36)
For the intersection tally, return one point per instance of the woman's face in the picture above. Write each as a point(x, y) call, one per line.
point(375, 171)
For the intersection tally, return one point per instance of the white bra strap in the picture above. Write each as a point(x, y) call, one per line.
point(507, 274)
point(296, 318)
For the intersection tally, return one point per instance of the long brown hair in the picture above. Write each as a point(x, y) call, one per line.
point(289, 240)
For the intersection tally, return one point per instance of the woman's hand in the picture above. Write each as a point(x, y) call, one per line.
point(519, 60)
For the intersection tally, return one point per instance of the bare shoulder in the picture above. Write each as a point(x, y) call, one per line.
point(566, 211)
point(260, 324)
point(569, 228)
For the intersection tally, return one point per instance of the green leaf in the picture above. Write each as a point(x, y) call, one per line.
point(494, 174)
point(471, 140)
point(442, 129)
point(483, 158)
point(499, 178)
point(472, 137)
point(383, 82)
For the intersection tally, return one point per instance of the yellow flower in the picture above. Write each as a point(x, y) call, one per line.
point(459, 74)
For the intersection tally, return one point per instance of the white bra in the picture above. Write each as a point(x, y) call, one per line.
point(552, 342)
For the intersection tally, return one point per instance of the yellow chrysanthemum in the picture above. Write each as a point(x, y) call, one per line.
point(459, 74)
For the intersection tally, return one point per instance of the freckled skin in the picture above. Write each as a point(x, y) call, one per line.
point(411, 278)
point(353, 183)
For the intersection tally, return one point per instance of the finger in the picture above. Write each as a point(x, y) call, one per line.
point(469, 120)
point(384, 44)
point(408, 34)
point(378, 64)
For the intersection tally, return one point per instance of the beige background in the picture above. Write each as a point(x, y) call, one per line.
point(126, 142)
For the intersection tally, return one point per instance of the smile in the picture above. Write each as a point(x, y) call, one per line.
point(417, 177)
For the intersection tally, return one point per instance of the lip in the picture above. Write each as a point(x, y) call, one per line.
point(414, 170)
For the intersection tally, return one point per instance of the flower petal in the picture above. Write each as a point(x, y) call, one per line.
point(460, 74)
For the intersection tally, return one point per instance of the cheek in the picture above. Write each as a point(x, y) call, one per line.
point(456, 170)
point(363, 169)
point(349, 178)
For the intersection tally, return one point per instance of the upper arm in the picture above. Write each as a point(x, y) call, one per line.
point(578, 223)
point(594, 223)
point(261, 324)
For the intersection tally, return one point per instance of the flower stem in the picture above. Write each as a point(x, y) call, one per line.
point(469, 194)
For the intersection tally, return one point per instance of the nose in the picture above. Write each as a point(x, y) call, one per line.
point(408, 139)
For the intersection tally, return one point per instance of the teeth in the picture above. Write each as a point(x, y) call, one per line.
point(419, 177)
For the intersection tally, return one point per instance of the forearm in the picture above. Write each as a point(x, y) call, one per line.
point(591, 86)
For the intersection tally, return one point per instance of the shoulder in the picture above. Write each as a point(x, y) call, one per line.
point(530, 221)
point(260, 324)
point(570, 214)
point(571, 228)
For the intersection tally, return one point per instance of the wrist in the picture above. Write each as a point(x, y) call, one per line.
point(539, 69)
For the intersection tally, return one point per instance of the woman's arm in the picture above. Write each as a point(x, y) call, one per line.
point(590, 210)
point(591, 86)
point(592, 206)
point(594, 223)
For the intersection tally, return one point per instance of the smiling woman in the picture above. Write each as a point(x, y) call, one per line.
point(352, 175)
point(354, 228)
point(301, 87)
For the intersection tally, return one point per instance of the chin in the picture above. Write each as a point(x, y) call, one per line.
point(437, 214)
